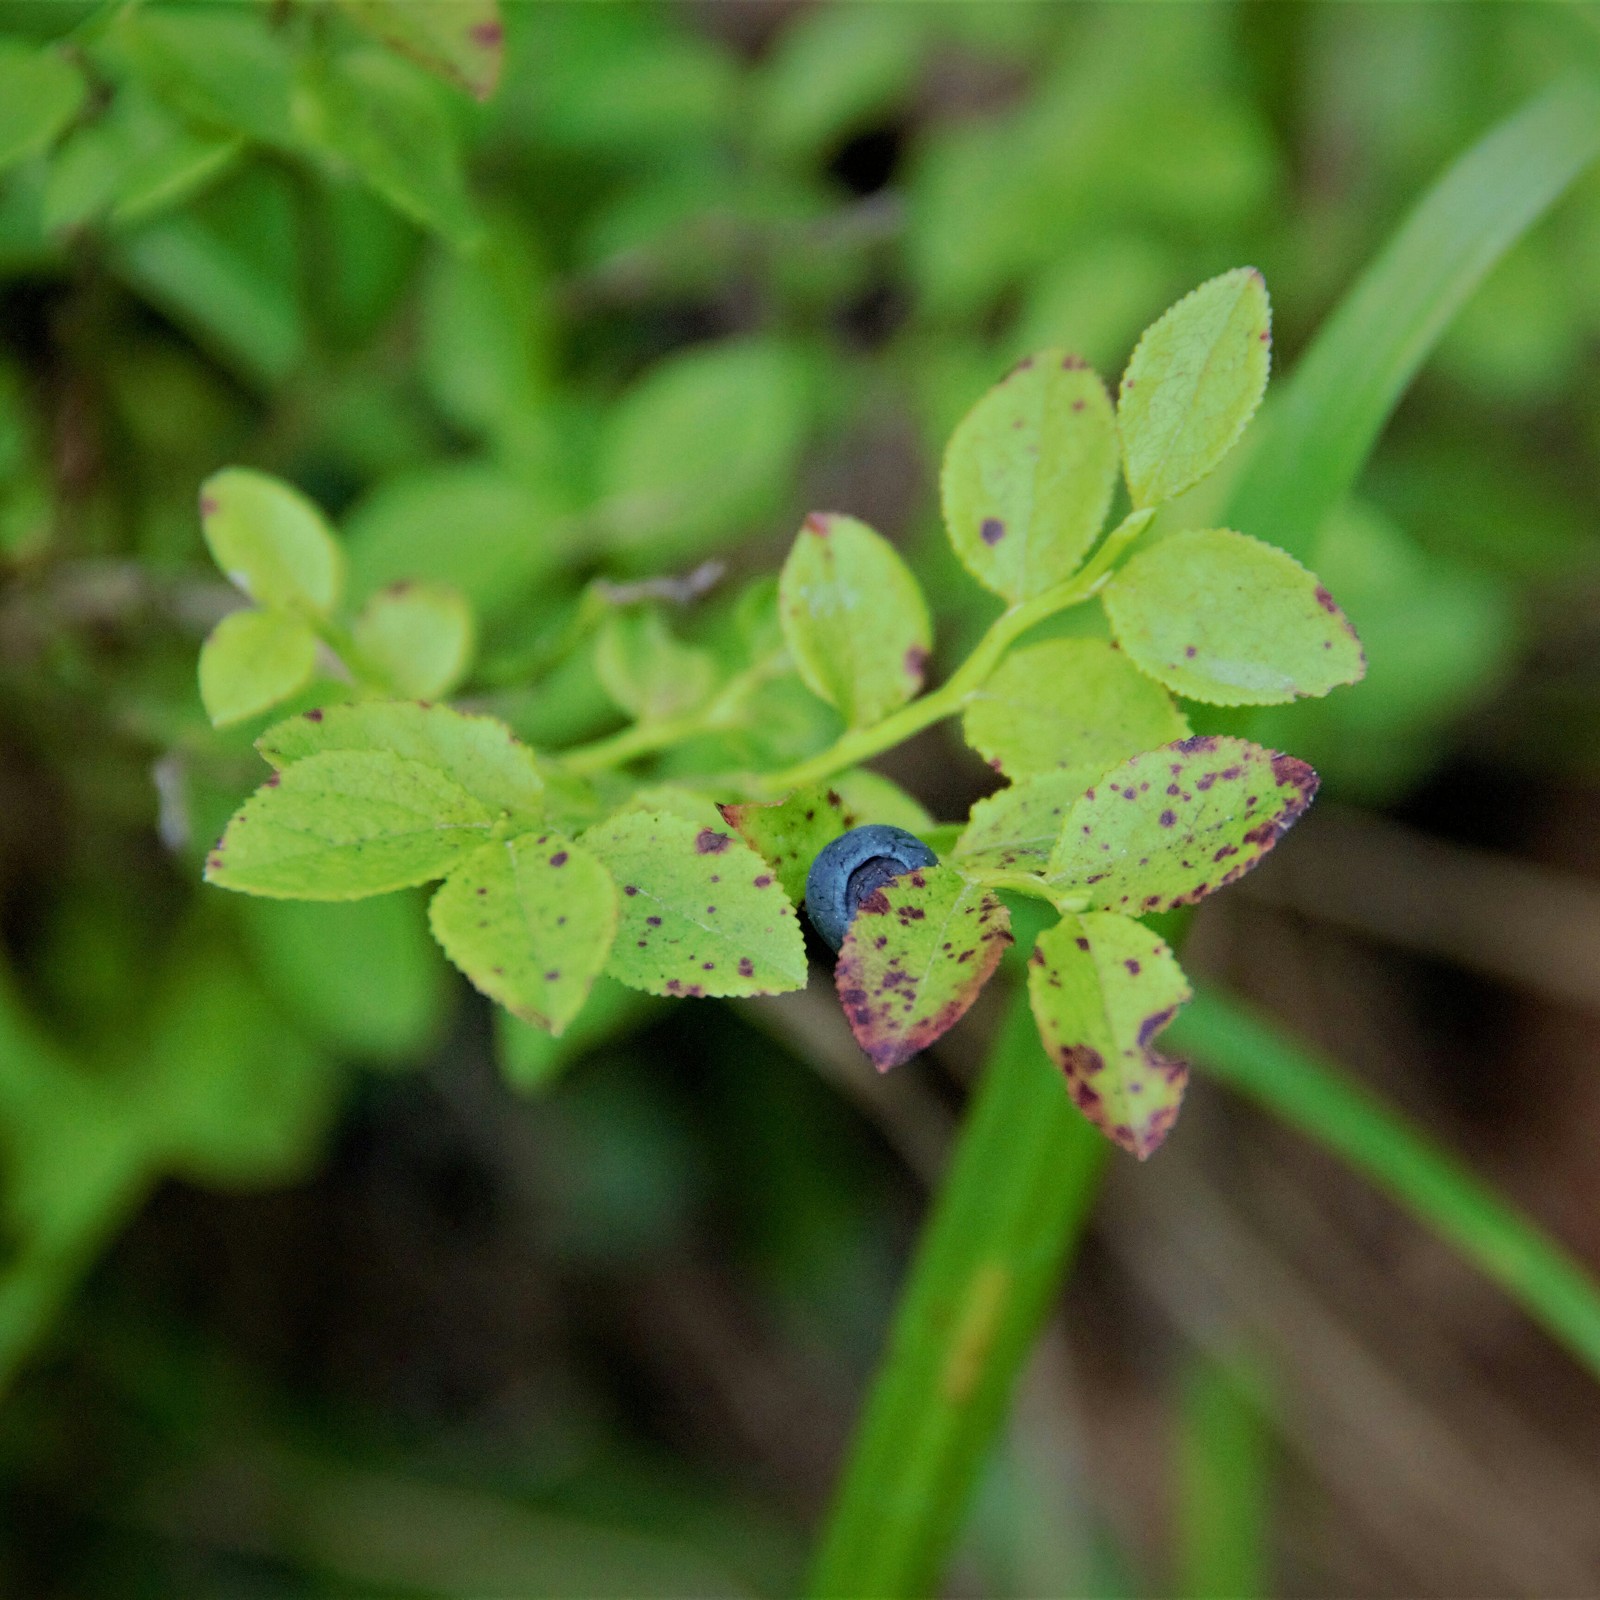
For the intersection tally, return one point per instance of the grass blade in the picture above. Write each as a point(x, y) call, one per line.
point(1322, 423)
point(1250, 1055)
point(1024, 1175)
point(1223, 1485)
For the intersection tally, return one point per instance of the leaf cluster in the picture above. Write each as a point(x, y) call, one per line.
point(566, 865)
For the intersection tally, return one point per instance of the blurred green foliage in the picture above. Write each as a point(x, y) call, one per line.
point(687, 274)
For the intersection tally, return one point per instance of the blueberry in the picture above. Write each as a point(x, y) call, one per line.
point(849, 868)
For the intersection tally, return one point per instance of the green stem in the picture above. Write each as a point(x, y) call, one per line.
point(1251, 1056)
point(1024, 1175)
point(861, 744)
point(723, 711)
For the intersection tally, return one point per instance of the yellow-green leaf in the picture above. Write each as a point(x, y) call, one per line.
point(345, 825)
point(476, 752)
point(1193, 384)
point(789, 835)
point(1174, 825)
point(916, 954)
point(270, 541)
point(1028, 475)
point(701, 913)
point(530, 921)
point(1102, 988)
point(421, 636)
point(1020, 825)
point(1220, 617)
point(461, 41)
point(1067, 704)
point(650, 674)
point(854, 618)
point(251, 661)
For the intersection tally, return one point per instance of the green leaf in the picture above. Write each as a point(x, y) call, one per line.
point(532, 1059)
point(1174, 825)
point(702, 914)
point(702, 446)
point(1028, 475)
point(478, 753)
point(646, 671)
point(420, 635)
point(1192, 385)
point(227, 1095)
point(530, 921)
point(225, 66)
point(1102, 987)
point(252, 660)
point(917, 954)
point(40, 93)
point(270, 541)
point(853, 617)
point(1252, 1055)
point(1021, 825)
point(381, 117)
point(231, 302)
point(1068, 704)
point(348, 824)
point(1012, 1206)
point(361, 976)
point(1225, 619)
point(135, 161)
point(789, 835)
point(1320, 430)
point(461, 41)
point(465, 523)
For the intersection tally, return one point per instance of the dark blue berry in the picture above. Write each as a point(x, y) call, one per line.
point(849, 868)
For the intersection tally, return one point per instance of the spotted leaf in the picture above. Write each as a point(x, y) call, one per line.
point(530, 921)
point(1066, 704)
point(853, 617)
point(917, 953)
point(1220, 617)
point(1192, 385)
point(1174, 825)
point(701, 913)
point(1019, 826)
point(1102, 988)
point(1028, 475)
point(476, 752)
point(788, 835)
point(348, 824)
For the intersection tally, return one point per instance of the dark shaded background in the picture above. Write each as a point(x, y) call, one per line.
point(419, 1332)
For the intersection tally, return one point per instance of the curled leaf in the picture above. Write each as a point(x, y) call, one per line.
point(1102, 988)
point(917, 954)
point(1174, 825)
